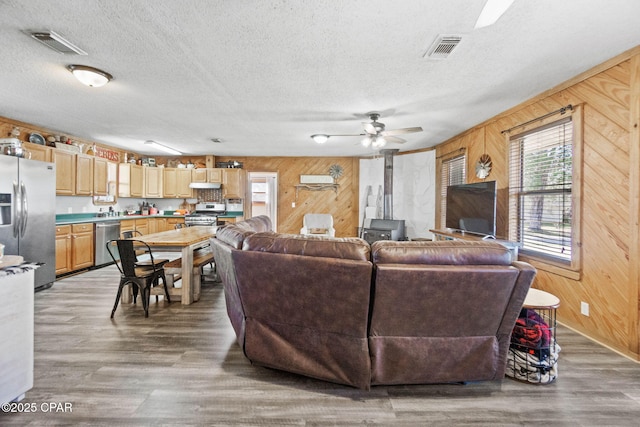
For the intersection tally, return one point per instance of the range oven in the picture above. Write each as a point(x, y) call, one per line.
point(206, 214)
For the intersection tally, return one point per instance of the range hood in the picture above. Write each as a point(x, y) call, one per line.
point(205, 185)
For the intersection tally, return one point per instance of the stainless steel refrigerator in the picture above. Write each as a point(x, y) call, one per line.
point(28, 214)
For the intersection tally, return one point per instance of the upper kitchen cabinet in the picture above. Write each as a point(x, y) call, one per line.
point(130, 180)
point(100, 176)
point(38, 152)
point(84, 175)
point(65, 172)
point(176, 182)
point(153, 182)
point(233, 186)
point(170, 184)
point(183, 181)
point(213, 175)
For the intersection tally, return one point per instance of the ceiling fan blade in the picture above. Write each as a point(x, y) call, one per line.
point(347, 134)
point(394, 139)
point(369, 128)
point(401, 131)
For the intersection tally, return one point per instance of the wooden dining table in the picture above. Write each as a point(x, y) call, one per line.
point(184, 240)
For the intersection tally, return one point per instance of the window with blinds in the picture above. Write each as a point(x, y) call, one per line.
point(453, 173)
point(540, 188)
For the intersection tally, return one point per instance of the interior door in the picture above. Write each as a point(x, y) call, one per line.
point(264, 195)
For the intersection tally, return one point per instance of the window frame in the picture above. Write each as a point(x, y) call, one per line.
point(446, 177)
point(572, 268)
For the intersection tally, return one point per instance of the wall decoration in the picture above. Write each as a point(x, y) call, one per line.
point(483, 166)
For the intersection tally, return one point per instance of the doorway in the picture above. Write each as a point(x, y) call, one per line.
point(263, 188)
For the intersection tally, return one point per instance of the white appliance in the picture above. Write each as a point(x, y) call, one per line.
point(16, 333)
point(27, 218)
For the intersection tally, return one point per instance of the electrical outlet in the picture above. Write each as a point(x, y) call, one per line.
point(293, 204)
point(69, 210)
point(584, 308)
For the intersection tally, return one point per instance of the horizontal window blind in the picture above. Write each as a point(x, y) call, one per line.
point(540, 184)
point(453, 173)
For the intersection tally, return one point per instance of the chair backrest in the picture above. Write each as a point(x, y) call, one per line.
point(127, 250)
point(130, 233)
point(319, 224)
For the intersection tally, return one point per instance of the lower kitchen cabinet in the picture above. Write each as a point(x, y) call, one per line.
point(74, 247)
point(63, 249)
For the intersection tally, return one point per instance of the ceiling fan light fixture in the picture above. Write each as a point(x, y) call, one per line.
point(320, 138)
point(90, 76)
point(366, 141)
point(379, 142)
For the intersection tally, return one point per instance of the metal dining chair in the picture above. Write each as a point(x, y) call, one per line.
point(140, 277)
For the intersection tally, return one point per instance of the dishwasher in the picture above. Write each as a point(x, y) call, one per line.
point(105, 231)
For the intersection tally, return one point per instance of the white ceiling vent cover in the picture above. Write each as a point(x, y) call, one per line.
point(443, 46)
point(57, 42)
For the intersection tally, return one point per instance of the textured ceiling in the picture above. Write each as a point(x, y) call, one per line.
point(264, 75)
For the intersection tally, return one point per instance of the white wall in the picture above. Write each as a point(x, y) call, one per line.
point(414, 190)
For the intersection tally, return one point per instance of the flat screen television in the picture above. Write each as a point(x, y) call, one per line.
point(472, 207)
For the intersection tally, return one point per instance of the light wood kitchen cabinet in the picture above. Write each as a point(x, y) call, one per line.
point(153, 182)
point(74, 247)
point(199, 175)
point(130, 180)
point(65, 172)
point(213, 175)
point(171, 222)
point(157, 225)
point(38, 152)
point(100, 176)
point(233, 183)
point(63, 249)
point(183, 181)
point(170, 184)
point(81, 246)
point(142, 225)
point(84, 175)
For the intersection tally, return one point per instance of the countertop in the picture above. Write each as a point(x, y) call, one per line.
point(63, 219)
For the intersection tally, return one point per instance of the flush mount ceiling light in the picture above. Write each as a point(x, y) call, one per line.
point(320, 138)
point(90, 76)
point(161, 147)
point(492, 11)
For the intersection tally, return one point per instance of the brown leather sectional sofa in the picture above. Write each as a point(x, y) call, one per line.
point(340, 310)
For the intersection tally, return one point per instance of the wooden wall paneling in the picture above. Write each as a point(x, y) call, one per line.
point(610, 177)
point(343, 206)
point(633, 288)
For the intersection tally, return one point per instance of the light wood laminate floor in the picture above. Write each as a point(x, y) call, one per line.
point(182, 367)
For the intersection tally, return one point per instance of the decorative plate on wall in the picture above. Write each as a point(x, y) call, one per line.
point(36, 138)
point(335, 171)
point(483, 166)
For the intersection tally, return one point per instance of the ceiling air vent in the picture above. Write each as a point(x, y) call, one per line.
point(57, 42)
point(443, 46)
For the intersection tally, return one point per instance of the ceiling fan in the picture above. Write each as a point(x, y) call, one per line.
point(375, 134)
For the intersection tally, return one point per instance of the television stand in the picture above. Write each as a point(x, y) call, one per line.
point(452, 234)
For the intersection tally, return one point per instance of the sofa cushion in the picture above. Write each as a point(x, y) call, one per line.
point(234, 234)
point(352, 248)
point(452, 252)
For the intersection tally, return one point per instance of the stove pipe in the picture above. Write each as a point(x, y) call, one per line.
point(388, 182)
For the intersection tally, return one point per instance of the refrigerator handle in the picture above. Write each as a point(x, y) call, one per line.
point(17, 210)
point(25, 209)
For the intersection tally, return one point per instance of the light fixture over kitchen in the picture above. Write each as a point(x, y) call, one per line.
point(161, 147)
point(320, 138)
point(90, 76)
